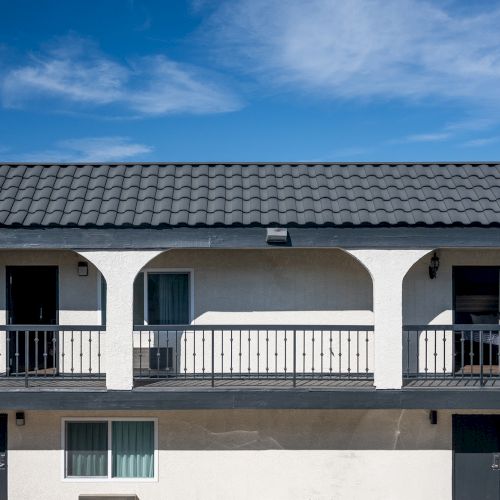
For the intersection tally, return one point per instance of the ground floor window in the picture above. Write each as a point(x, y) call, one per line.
point(109, 448)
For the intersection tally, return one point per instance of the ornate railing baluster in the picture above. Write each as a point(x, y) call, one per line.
point(470, 359)
point(299, 352)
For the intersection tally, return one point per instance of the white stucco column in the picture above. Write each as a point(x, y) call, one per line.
point(388, 268)
point(119, 268)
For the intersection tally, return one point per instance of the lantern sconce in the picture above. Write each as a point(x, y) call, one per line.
point(433, 417)
point(83, 268)
point(20, 419)
point(434, 266)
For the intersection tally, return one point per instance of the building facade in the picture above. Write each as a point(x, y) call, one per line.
point(249, 331)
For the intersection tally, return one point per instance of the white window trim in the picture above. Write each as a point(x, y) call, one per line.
point(109, 478)
point(169, 270)
point(100, 279)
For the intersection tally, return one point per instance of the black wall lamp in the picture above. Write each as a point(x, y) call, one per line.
point(433, 417)
point(434, 266)
point(83, 268)
point(20, 419)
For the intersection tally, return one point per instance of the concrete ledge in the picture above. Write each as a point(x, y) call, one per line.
point(107, 497)
point(248, 237)
point(262, 399)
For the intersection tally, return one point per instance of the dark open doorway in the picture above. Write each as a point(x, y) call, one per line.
point(32, 299)
point(476, 302)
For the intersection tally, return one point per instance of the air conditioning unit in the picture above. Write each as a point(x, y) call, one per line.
point(156, 359)
point(161, 358)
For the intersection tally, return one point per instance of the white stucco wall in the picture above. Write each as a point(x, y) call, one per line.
point(255, 454)
point(387, 268)
point(284, 286)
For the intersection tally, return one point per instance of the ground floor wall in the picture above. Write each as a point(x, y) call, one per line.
point(254, 454)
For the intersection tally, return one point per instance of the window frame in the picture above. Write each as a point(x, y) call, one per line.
point(169, 270)
point(109, 478)
point(101, 301)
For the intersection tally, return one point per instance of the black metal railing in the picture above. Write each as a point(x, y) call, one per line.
point(63, 351)
point(451, 352)
point(246, 352)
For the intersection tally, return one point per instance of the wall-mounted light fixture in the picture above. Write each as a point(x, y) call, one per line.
point(20, 420)
point(83, 268)
point(276, 235)
point(433, 417)
point(434, 266)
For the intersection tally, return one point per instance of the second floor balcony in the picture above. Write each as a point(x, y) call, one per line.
point(234, 319)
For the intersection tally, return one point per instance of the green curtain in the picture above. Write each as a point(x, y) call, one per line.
point(133, 449)
point(168, 297)
point(87, 449)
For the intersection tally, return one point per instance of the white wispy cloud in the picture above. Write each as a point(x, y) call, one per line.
point(454, 131)
point(73, 70)
point(429, 137)
point(365, 48)
point(480, 142)
point(87, 149)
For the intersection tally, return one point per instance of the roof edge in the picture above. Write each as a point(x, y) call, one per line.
point(277, 163)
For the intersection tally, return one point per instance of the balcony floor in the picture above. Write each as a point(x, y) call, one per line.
point(51, 383)
point(452, 383)
point(174, 384)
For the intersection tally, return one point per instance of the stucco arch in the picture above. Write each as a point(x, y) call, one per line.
point(78, 301)
point(274, 285)
point(422, 304)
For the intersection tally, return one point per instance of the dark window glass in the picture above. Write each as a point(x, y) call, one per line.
point(168, 298)
point(86, 449)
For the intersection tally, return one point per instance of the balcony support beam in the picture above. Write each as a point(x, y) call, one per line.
point(388, 269)
point(119, 269)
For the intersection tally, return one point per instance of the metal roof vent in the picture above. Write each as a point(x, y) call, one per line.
point(276, 235)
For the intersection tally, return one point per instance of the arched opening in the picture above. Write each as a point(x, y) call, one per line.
point(52, 305)
point(451, 331)
point(243, 314)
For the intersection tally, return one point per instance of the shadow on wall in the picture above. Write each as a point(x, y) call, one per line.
point(265, 430)
point(276, 280)
point(426, 300)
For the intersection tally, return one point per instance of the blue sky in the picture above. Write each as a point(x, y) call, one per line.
point(249, 80)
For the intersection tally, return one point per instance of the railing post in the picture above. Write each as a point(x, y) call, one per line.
point(213, 359)
point(26, 357)
point(295, 358)
point(481, 360)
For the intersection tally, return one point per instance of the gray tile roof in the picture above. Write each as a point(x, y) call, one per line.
point(152, 195)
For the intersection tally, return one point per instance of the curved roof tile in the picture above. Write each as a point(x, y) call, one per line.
point(151, 195)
